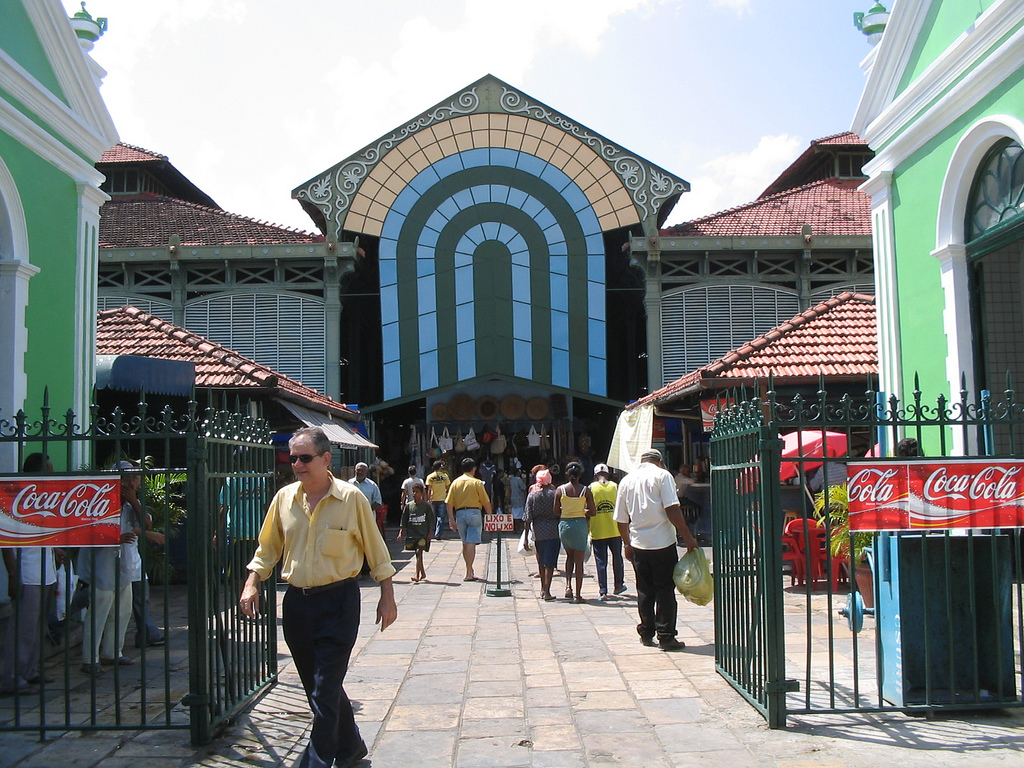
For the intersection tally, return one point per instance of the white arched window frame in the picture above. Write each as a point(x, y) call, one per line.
point(15, 273)
point(951, 239)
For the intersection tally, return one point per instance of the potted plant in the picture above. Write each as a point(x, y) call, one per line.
point(832, 506)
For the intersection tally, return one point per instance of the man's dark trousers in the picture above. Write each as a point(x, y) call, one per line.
point(656, 592)
point(321, 630)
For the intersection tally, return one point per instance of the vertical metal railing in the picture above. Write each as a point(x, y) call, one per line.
point(192, 606)
point(955, 596)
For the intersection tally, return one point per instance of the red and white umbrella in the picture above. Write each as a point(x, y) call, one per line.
point(809, 444)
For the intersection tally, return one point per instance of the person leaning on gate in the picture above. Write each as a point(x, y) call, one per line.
point(648, 515)
point(320, 528)
point(32, 582)
point(467, 501)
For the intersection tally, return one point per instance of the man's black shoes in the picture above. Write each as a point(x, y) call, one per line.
point(353, 760)
point(671, 644)
point(649, 642)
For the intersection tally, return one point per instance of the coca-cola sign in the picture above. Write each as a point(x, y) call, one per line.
point(60, 511)
point(936, 495)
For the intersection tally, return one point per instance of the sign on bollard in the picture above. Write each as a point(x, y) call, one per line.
point(503, 523)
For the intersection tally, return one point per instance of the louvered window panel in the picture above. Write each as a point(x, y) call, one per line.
point(161, 309)
point(283, 332)
point(699, 325)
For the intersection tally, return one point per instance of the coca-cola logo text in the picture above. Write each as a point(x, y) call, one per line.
point(993, 483)
point(873, 486)
point(88, 500)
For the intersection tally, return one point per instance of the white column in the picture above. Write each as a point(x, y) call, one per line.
point(90, 198)
point(887, 306)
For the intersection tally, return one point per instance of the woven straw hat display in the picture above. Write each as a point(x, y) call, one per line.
point(513, 407)
point(487, 408)
point(460, 407)
point(537, 408)
point(439, 412)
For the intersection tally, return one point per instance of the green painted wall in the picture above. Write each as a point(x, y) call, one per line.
point(946, 21)
point(25, 48)
point(50, 201)
point(917, 186)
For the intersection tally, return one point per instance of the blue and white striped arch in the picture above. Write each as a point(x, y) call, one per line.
point(492, 262)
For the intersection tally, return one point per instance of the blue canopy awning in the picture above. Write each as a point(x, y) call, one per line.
point(132, 373)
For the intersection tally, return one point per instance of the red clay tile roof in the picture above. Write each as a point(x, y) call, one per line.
point(130, 331)
point(831, 206)
point(146, 221)
point(128, 153)
point(847, 139)
point(836, 338)
point(815, 162)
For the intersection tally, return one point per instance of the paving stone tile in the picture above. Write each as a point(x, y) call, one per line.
point(669, 711)
point(491, 753)
point(492, 707)
point(554, 737)
point(605, 749)
point(423, 716)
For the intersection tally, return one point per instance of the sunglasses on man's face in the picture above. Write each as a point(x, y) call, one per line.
point(305, 458)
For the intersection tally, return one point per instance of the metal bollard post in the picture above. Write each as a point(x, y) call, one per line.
point(498, 590)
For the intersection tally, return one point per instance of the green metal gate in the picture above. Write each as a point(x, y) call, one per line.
point(801, 649)
point(216, 468)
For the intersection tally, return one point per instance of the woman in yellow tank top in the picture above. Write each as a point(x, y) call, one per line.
point(574, 504)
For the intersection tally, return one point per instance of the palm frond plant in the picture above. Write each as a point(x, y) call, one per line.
point(832, 505)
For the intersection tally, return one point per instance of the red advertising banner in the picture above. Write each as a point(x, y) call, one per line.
point(41, 511)
point(936, 495)
point(709, 409)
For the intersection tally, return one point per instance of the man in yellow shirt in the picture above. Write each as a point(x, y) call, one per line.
point(320, 529)
point(438, 483)
point(604, 532)
point(467, 502)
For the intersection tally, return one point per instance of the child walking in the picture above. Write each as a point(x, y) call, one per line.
point(417, 527)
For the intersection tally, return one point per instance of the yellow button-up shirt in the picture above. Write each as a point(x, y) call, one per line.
point(323, 545)
point(467, 491)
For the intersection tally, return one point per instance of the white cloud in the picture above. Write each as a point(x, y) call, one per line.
point(736, 178)
point(739, 6)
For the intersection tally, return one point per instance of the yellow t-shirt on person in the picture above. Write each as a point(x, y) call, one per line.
point(602, 525)
point(467, 491)
point(438, 484)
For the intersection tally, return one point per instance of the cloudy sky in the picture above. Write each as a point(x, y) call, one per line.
point(250, 98)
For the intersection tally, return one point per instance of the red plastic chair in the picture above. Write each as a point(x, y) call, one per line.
point(793, 550)
point(837, 565)
point(793, 554)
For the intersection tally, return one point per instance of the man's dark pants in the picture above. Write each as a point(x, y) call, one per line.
point(321, 630)
point(656, 592)
point(441, 517)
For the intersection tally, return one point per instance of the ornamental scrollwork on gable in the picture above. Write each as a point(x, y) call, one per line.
point(332, 192)
point(648, 186)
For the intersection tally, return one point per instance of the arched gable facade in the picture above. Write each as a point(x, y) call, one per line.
point(488, 216)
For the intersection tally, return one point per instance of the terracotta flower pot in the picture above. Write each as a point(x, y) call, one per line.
point(865, 584)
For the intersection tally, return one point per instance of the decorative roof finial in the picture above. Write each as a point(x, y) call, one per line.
point(873, 22)
point(87, 29)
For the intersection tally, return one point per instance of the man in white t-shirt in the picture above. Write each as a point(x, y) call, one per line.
point(648, 515)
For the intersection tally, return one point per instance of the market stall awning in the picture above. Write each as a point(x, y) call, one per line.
point(633, 436)
point(337, 431)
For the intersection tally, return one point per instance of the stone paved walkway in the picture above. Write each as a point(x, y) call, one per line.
point(464, 679)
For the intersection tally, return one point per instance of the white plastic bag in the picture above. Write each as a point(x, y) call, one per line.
point(693, 577)
point(526, 543)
